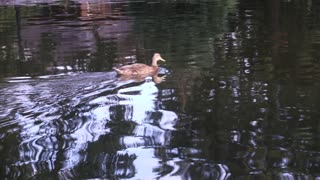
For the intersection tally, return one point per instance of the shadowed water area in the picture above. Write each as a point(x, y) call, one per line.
point(237, 98)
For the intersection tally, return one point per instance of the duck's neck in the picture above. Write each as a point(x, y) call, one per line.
point(154, 63)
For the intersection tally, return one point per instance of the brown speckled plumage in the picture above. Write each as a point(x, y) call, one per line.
point(140, 69)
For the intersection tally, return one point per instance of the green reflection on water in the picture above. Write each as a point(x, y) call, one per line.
point(241, 87)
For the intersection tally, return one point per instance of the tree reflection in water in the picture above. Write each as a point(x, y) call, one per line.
point(112, 126)
point(240, 100)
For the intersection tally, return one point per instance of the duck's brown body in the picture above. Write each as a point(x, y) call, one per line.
point(140, 69)
point(140, 78)
point(137, 69)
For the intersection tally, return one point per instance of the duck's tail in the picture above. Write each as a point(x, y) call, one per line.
point(117, 70)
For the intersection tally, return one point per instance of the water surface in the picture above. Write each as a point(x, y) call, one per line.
point(238, 96)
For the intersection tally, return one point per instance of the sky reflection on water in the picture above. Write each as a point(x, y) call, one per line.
point(236, 98)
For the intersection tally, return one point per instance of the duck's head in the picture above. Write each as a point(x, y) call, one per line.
point(156, 57)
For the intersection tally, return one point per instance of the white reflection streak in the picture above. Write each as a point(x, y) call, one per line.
point(177, 172)
point(132, 142)
point(142, 102)
point(145, 135)
point(139, 101)
point(144, 163)
point(157, 135)
point(33, 149)
point(168, 120)
point(89, 132)
point(181, 170)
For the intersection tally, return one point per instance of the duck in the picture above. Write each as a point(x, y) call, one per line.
point(140, 78)
point(139, 69)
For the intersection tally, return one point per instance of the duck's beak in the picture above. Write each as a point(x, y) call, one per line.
point(162, 59)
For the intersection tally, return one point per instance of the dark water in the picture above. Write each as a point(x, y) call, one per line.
point(238, 97)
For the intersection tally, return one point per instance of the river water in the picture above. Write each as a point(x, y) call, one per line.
point(238, 95)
